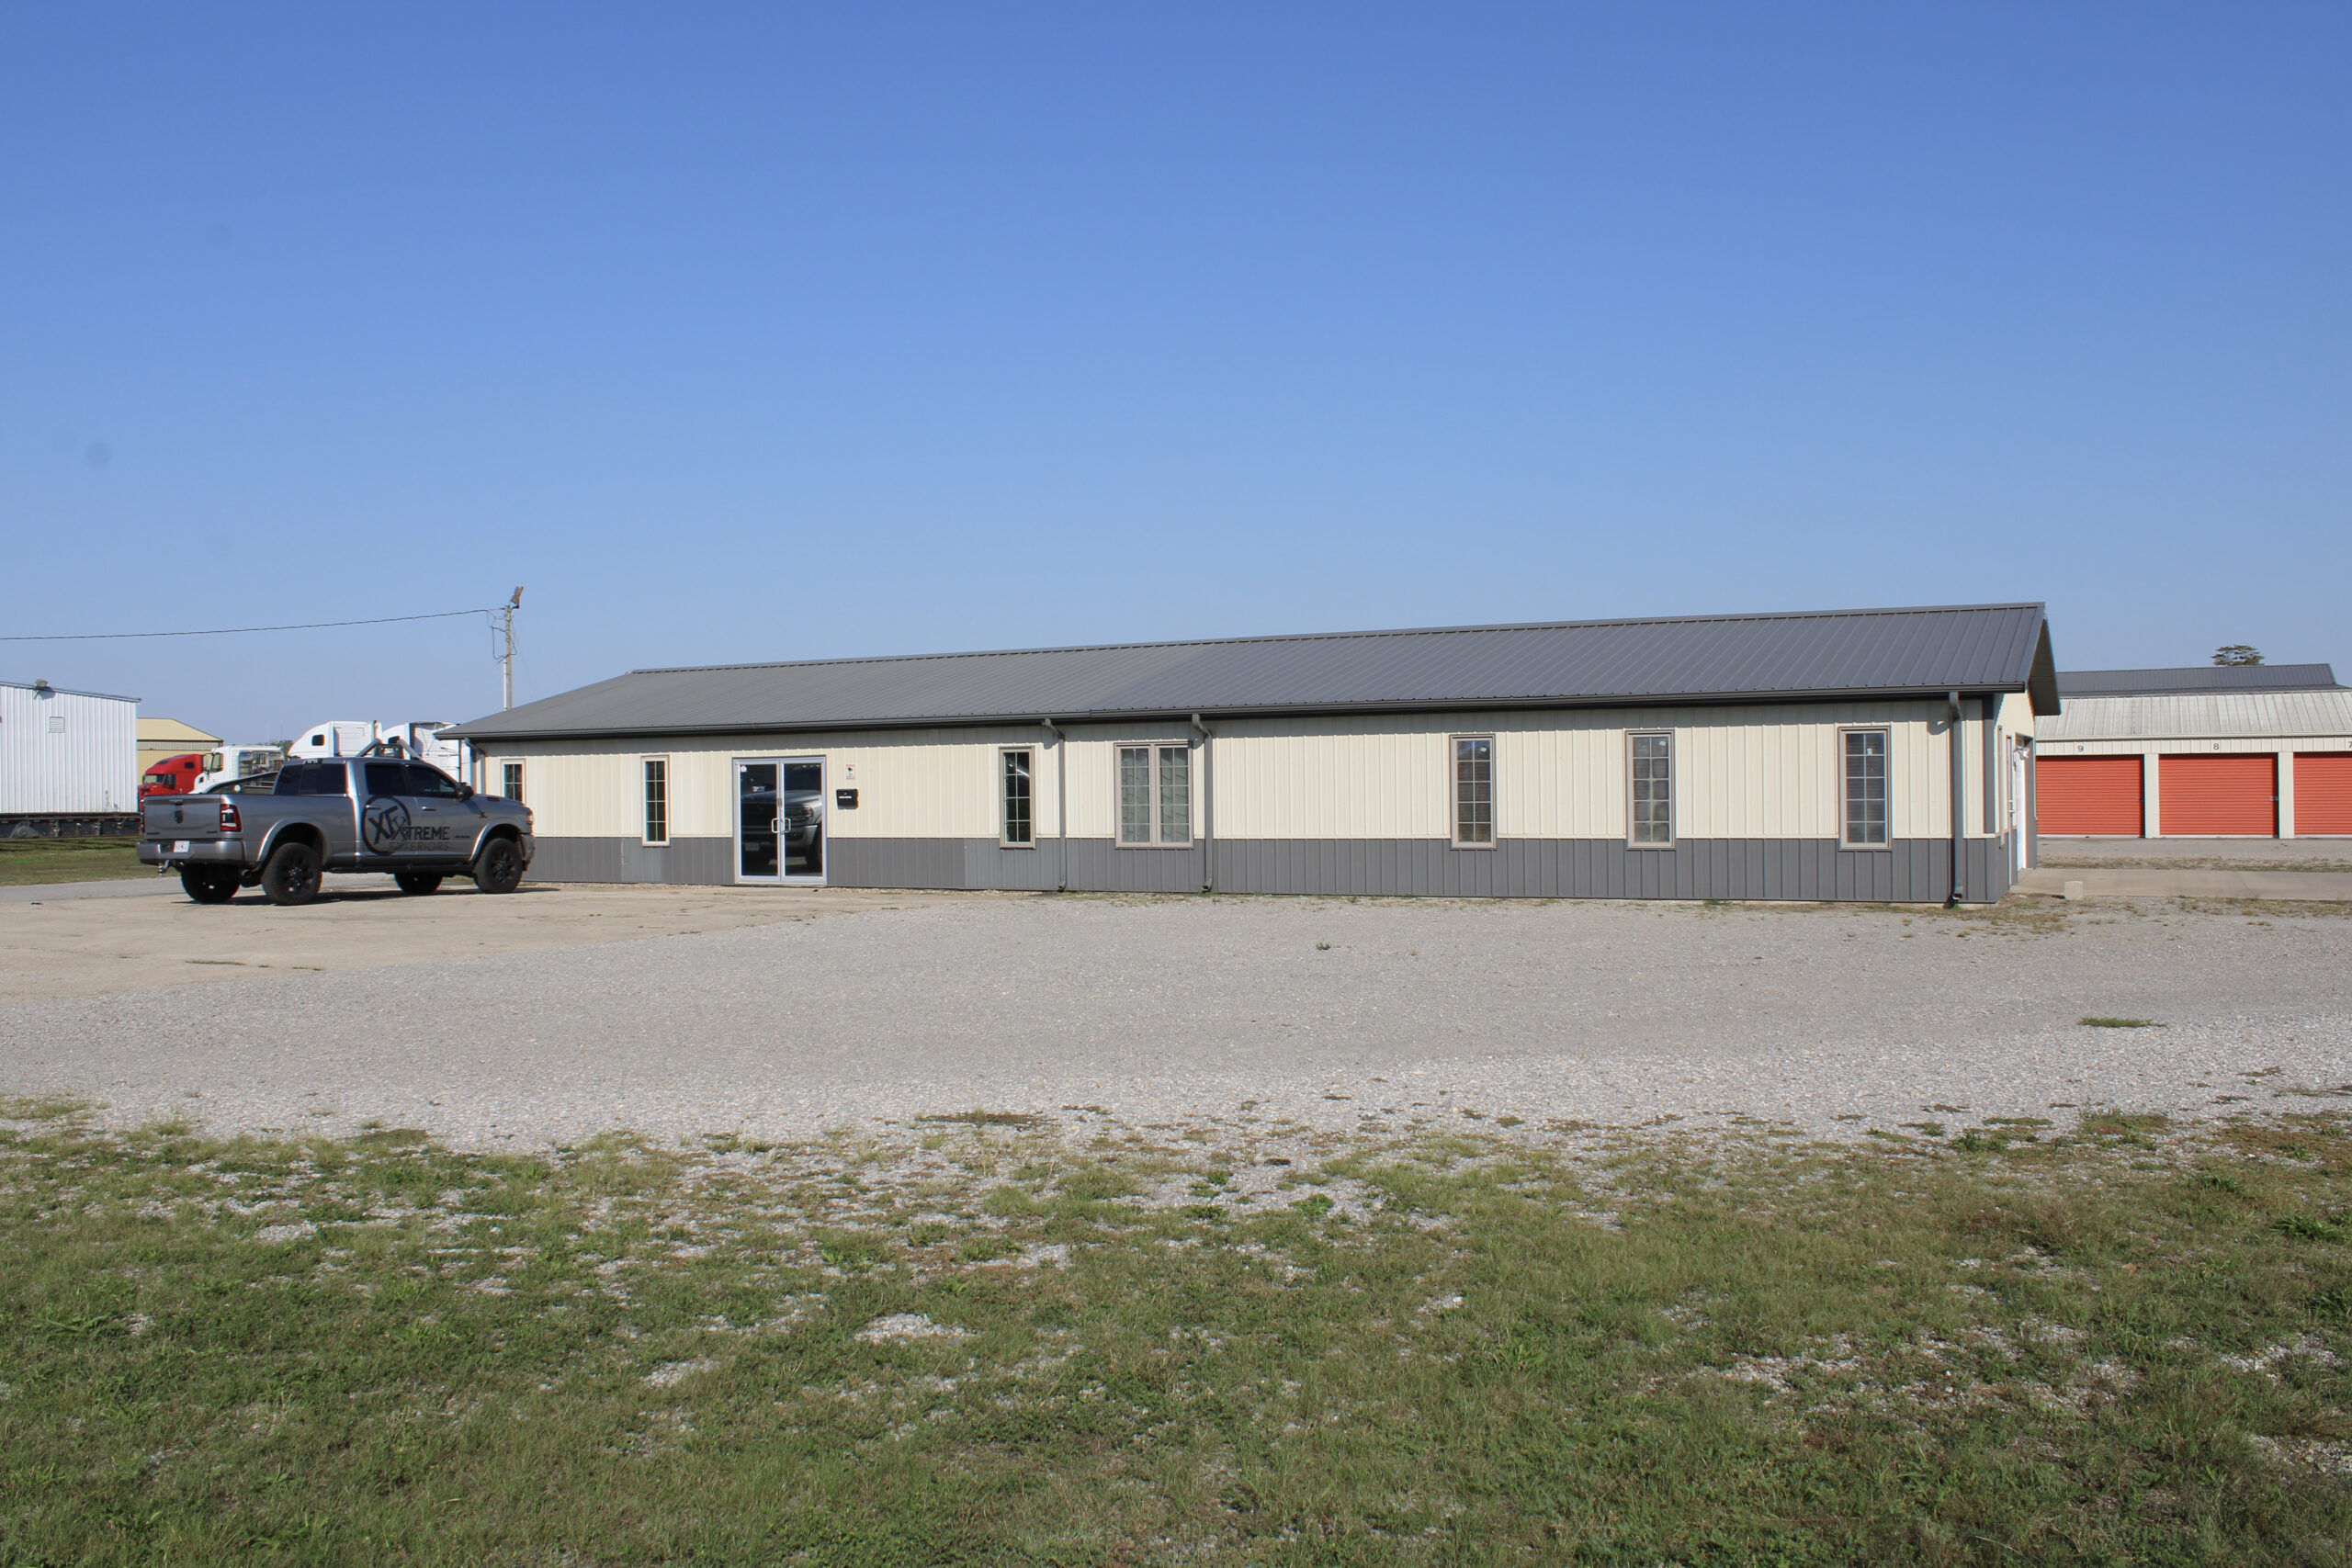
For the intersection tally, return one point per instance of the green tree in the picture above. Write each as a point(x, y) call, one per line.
point(2238, 653)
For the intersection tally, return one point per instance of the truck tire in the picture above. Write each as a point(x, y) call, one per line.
point(499, 868)
point(292, 874)
point(208, 883)
point(417, 881)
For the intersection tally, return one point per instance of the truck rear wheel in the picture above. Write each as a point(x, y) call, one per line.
point(417, 881)
point(500, 867)
point(292, 874)
point(208, 883)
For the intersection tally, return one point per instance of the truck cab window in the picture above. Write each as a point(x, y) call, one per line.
point(310, 778)
point(430, 782)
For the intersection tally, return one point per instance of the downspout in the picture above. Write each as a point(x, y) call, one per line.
point(2032, 804)
point(1959, 797)
point(1208, 807)
point(1061, 805)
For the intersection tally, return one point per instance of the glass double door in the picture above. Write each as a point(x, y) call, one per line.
point(780, 819)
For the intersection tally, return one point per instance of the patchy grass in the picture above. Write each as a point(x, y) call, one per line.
point(2093, 1022)
point(2122, 1341)
point(27, 862)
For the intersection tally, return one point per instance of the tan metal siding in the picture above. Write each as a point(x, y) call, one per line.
point(1739, 772)
point(913, 783)
point(1745, 772)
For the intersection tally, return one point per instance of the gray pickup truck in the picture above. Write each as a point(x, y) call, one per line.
point(367, 814)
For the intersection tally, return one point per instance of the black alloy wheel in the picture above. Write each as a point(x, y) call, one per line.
point(208, 883)
point(500, 869)
point(417, 881)
point(292, 874)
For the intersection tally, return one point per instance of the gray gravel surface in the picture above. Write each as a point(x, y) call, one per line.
point(115, 887)
point(1187, 1010)
point(155, 887)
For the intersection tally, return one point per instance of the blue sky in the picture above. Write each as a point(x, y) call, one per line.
point(769, 331)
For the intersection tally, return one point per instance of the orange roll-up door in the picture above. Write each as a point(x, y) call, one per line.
point(2087, 795)
point(2323, 791)
point(2219, 796)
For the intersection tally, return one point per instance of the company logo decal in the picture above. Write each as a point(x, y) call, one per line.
point(383, 825)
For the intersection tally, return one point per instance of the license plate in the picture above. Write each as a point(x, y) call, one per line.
point(179, 846)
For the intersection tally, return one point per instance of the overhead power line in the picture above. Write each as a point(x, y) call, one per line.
point(240, 631)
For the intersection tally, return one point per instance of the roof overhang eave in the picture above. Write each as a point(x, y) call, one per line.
point(1298, 710)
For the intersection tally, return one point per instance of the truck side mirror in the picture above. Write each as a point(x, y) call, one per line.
point(465, 792)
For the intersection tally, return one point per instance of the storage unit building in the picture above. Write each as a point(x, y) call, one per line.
point(2261, 751)
point(1866, 754)
point(69, 762)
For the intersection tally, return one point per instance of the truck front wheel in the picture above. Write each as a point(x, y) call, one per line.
point(500, 868)
point(292, 874)
point(208, 883)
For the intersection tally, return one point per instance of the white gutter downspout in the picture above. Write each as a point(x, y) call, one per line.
point(1061, 805)
point(1208, 807)
point(1959, 797)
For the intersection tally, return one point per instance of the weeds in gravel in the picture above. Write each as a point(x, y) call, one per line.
point(2122, 1341)
point(2097, 1023)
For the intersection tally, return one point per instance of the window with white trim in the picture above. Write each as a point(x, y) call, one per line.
point(1862, 788)
point(1652, 761)
point(1017, 798)
point(657, 800)
point(1155, 794)
point(1474, 792)
point(512, 788)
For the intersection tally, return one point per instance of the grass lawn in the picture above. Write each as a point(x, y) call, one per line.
point(24, 860)
point(991, 1342)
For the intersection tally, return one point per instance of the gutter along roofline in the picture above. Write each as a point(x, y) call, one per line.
point(1322, 710)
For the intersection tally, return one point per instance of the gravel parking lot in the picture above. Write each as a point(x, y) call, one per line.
point(1334, 1014)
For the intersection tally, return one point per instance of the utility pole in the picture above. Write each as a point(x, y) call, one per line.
point(507, 658)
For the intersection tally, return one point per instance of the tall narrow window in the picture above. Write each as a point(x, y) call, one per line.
point(657, 800)
point(1018, 826)
point(1135, 794)
point(1653, 793)
point(1474, 791)
point(513, 788)
point(1156, 794)
point(1865, 778)
point(1175, 794)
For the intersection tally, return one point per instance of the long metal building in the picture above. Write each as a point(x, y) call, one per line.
point(1870, 754)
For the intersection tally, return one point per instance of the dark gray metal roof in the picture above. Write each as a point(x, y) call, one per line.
point(1820, 655)
point(2196, 678)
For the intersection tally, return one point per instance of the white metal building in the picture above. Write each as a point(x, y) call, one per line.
point(1865, 754)
point(69, 761)
point(2261, 751)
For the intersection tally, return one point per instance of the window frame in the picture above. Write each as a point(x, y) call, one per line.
point(1453, 791)
point(1633, 824)
point(510, 771)
point(1844, 803)
point(1191, 795)
point(1004, 840)
point(645, 765)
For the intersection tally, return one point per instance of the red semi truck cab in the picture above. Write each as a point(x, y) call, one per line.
point(173, 775)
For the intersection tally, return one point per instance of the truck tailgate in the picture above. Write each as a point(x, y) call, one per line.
point(180, 816)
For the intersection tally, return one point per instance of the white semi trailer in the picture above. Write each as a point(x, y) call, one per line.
point(421, 739)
